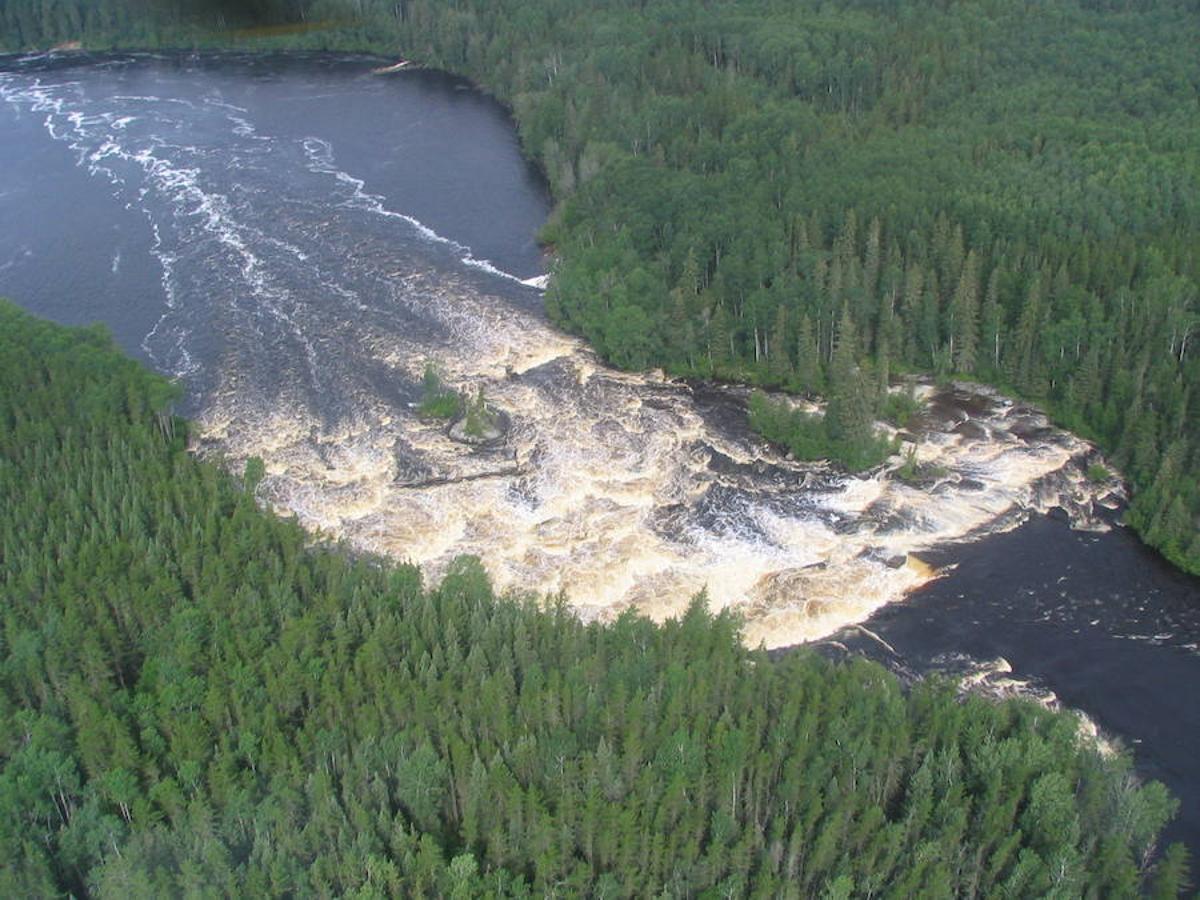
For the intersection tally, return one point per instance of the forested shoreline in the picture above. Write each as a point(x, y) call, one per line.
point(1004, 192)
point(811, 196)
point(197, 698)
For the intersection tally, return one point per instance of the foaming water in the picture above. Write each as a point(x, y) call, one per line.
point(295, 239)
point(301, 302)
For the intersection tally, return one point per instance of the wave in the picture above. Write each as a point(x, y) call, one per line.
point(321, 160)
point(994, 678)
point(213, 101)
point(102, 142)
point(623, 489)
point(151, 98)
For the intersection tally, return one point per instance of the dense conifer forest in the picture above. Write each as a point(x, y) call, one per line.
point(1001, 191)
point(197, 699)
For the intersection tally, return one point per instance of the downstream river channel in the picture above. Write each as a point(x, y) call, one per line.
point(295, 239)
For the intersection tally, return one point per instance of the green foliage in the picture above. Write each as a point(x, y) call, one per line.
point(195, 700)
point(254, 473)
point(900, 407)
point(479, 419)
point(437, 400)
point(801, 433)
point(807, 436)
point(909, 470)
point(849, 419)
point(1001, 191)
point(916, 473)
point(998, 191)
point(1170, 876)
point(1098, 474)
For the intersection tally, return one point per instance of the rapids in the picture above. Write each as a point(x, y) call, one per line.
point(294, 238)
point(302, 295)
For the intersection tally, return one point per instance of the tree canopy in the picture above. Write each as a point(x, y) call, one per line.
point(1003, 191)
point(196, 698)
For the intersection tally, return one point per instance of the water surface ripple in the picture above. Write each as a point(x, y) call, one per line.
point(295, 238)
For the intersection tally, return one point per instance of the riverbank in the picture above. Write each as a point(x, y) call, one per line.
point(316, 637)
point(798, 548)
point(348, 39)
point(1097, 621)
point(635, 467)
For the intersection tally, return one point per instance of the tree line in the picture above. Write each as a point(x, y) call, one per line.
point(196, 697)
point(1000, 191)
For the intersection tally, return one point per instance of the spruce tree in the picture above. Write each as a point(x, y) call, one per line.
point(991, 318)
point(808, 359)
point(780, 362)
point(848, 416)
point(965, 314)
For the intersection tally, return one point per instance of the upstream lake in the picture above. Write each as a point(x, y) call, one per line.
point(294, 239)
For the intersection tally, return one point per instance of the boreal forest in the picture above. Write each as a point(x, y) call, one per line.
point(1006, 192)
point(198, 698)
point(196, 701)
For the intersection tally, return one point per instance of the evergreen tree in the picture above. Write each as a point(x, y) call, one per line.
point(199, 698)
point(849, 413)
point(965, 316)
point(780, 360)
point(992, 323)
point(808, 359)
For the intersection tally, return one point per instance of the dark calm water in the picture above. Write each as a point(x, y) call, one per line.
point(1097, 619)
point(292, 236)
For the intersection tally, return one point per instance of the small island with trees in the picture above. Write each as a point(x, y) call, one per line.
point(472, 419)
point(198, 699)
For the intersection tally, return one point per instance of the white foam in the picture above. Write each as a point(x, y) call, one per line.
point(102, 142)
point(604, 488)
point(215, 101)
point(994, 678)
point(321, 160)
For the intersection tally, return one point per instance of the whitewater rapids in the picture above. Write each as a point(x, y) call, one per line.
point(620, 491)
point(302, 300)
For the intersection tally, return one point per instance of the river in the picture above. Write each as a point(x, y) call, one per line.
point(295, 238)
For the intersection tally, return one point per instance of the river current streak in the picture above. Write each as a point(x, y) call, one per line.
point(301, 299)
point(294, 239)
